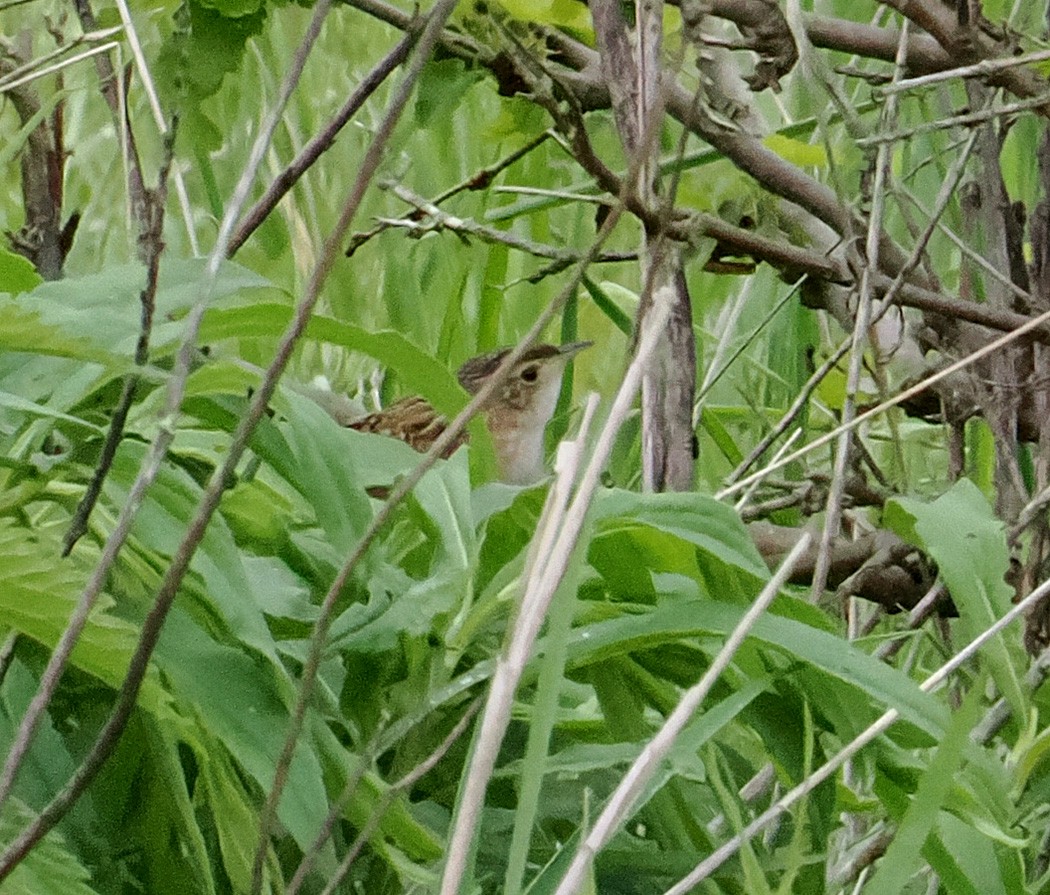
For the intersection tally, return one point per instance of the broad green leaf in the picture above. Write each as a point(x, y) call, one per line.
point(720, 435)
point(15, 402)
point(968, 543)
point(243, 703)
point(159, 822)
point(444, 495)
point(104, 309)
point(318, 458)
point(965, 859)
point(17, 274)
point(221, 794)
point(722, 546)
point(49, 764)
point(161, 525)
point(25, 329)
point(441, 87)
point(558, 13)
point(419, 372)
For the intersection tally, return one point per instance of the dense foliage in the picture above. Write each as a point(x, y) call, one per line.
point(248, 610)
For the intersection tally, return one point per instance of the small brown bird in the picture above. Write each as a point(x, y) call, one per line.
point(516, 415)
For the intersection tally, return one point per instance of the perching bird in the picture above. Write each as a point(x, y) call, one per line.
point(516, 415)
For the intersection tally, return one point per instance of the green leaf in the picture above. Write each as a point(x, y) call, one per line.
point(15, 402)
point(965, 859)
point(904, 854)
point(968, 543)
point(50, 868)
point(161, 524)
point(558, 13)
point(441, 88)
point(444, 495)
point(805, 155)
point(103, 309)
point(419, 373)
point(705, 523)
point(317, 457)
point(240, 700)
point(689, 619)
point(38, 591)
point(24, 329)
point(17, 274)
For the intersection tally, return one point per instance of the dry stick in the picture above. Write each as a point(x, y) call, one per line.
point(310, 153)
point(158, 118)
point(10, 82)
point(125, 702)
point(152, 236)
point(621, 803)
point(970, 118)
point(791, 500)
point(111, 85)
point(918, 614)
point(880, 726)
point(35, 67)
point(478, 180)
point(561, 533)
point(440, 220)
point(833, 508)
point(1001, 712)
point(981, 69)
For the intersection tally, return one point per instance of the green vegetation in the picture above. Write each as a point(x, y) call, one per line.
point(456, 685)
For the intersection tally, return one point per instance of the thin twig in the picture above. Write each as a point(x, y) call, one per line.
point(479, 180)
point(153, 242)
point(9, 82)
point(440, 220)
point(1032, 324)
point(969, 118)
point(313, 150)
point(402, 785)
point(981, 69)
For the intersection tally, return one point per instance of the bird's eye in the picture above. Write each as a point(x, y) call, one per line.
point(530, 374)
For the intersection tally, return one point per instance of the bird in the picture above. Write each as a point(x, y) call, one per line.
point(516, 415)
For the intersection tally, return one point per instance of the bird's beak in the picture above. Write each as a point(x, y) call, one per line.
point(572, 349)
